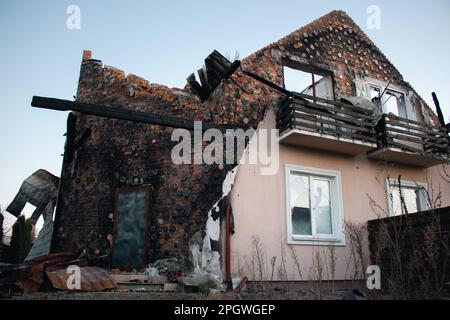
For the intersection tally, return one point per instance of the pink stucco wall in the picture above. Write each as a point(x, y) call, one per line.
point(259, 209)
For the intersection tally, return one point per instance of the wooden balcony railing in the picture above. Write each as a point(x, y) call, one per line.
point(411, 136)
point(316, 122)
point(327, 117)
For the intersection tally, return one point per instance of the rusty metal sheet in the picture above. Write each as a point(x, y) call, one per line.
point(31, 280)
point(52, 258)
point(92, 279)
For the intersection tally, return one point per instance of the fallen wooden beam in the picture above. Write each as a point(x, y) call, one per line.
point(121, 114)
point(111, 112)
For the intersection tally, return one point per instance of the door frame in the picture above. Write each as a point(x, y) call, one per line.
point(148, 193)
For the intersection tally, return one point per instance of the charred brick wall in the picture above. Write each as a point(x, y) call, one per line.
point(121, 153)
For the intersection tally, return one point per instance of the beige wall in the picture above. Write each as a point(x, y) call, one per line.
point(259, 208)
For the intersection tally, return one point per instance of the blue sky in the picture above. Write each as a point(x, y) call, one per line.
point(164, 41)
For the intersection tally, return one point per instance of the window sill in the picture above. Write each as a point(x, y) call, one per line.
point(316, 241)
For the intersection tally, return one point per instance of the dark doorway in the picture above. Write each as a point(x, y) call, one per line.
point(131, 222)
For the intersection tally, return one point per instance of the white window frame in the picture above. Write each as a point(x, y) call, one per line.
point(337, 212)
point(382, 85)
point(410, 184)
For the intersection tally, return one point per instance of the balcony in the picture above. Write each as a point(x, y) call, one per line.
point(326, 125)
point(409, 142)
point(347, 129)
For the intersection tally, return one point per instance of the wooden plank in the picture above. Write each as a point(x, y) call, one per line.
point(335, 109)
point(330, 131)
point(69, 149)
point(121, 114)
point(391, 116)
point(332, 121)
point(332, 102)
point(416, 140)
point(432, 131)
point(417, 134)
point(342, 123)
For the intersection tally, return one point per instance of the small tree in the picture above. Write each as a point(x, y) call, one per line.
point(20, 240)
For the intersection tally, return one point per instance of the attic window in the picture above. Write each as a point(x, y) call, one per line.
point(375, 92)
point(391, 101)
point(395, 103)
point(308, 80)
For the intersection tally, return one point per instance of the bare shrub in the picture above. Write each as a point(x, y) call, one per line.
point(317, 271)
point(331, 261)
point(296, 261)
point(282, 269)
point(257, 262)
point(412, 254)
point(272, 267)
point(356, 234)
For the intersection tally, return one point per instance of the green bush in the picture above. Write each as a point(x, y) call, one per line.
point(20, 240)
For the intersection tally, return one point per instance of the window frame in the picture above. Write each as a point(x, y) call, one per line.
point(407, 184)
point(337, 212)
point(391, 88)
point(312, 70)
point(393, 93)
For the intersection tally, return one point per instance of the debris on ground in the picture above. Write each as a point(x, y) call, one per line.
point(166, 265)
point(91, 279)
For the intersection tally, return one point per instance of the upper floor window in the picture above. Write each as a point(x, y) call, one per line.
point(314, 206)
point(308, 80)
point(391, 101)
point(410, 198)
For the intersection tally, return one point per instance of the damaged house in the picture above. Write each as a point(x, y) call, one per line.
point(349, 125)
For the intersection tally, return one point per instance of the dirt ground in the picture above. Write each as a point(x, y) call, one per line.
point(115, 295)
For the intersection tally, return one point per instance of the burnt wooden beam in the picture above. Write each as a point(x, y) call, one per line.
point(438, 109)
point(111, 112)
point(215, 69)
point(121, 113)
point(198, 89)
point(69, 149)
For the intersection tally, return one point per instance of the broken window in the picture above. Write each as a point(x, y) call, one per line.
point(374, 93)
point(313, 206)
point(414, 198)
point(308, 80)
point(391, 101)
point(394, 102)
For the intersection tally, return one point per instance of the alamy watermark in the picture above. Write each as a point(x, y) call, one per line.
point(373, 277)
point(73, 282)
point(73, 21)
point(374, 19)
point(234, 146)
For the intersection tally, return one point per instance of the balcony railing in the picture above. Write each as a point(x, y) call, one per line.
point(325, 124)
point(411, 142)
point(344, 128)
